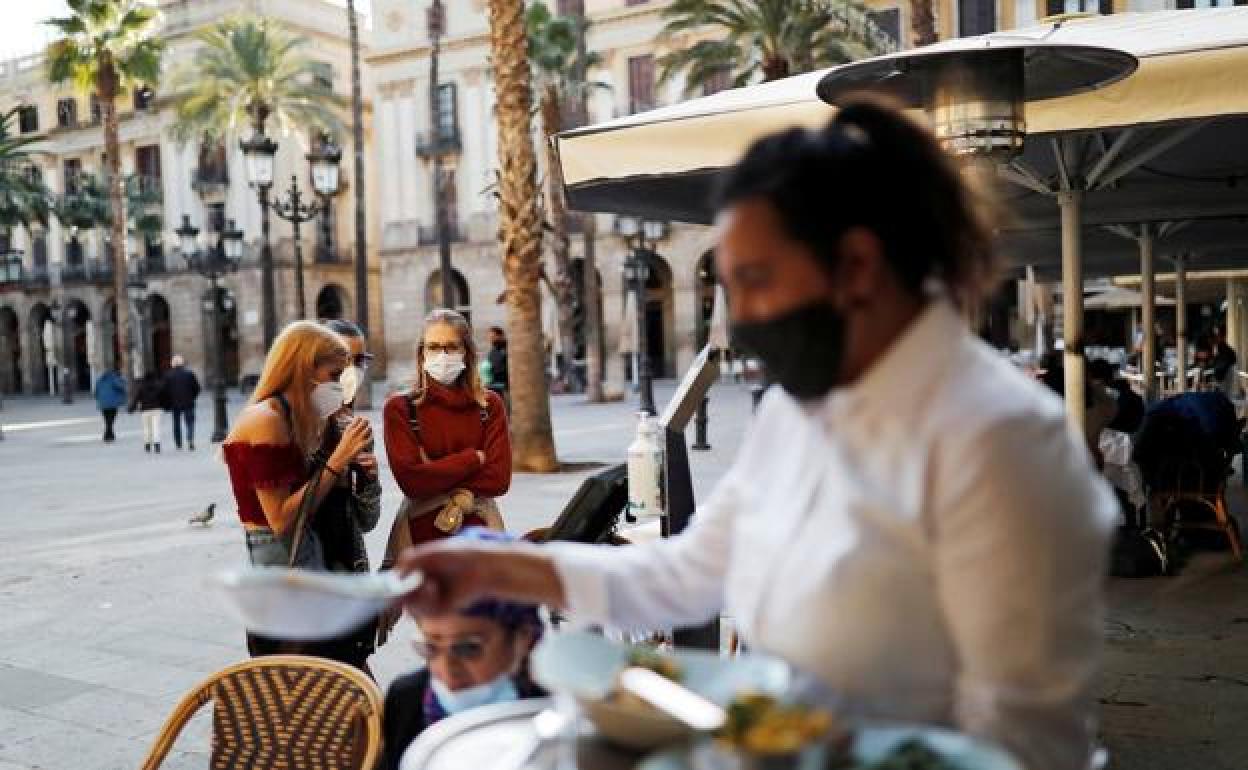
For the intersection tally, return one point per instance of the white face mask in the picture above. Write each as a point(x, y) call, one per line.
point(499, 690)
point(350, 380)
point(326, 398)
point(444, 367)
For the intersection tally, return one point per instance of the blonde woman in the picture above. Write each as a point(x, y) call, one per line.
point(272, 450)
point(446, 439)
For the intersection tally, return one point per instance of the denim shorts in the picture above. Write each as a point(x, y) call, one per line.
point(267, 549)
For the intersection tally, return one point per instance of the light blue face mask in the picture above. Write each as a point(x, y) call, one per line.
point(499, 690)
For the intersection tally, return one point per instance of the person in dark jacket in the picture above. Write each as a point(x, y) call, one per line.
point(474, 657)
point(497, 359)
point(110, 395)
point(182, 386)
point(150, 400)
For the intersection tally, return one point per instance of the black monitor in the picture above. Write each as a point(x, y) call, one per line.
point(594, 512)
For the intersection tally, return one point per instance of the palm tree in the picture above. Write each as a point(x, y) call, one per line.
point(553, 42)
point(24, 199)
point(520, 230)
point(109, 47)
point(248, 66)
point(766, 39)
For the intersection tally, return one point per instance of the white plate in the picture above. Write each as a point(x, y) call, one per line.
point(305, 605)
point(586, 665)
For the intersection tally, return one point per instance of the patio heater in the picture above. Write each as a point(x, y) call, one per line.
point(975, 91)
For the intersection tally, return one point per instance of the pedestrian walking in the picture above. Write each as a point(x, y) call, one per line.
point(150, 400)
point(110, 395)
point(910, 519)
point(278, 474)
point(182, 387)
point(496, 357)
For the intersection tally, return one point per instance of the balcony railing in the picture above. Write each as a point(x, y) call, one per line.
point(428, 234)
point(210, 178)
point(91, 271)
point(445, 143)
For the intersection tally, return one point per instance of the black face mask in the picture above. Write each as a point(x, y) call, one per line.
point(802, 350)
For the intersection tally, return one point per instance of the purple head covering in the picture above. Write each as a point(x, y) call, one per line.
point(512, 616)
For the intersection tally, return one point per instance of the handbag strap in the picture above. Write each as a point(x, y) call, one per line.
point(303, 516)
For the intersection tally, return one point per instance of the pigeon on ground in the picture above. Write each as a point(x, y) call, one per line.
point(204, 517)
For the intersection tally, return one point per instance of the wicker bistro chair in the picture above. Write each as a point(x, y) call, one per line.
point(283, 711)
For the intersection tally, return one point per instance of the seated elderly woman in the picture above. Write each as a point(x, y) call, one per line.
point(473, 657)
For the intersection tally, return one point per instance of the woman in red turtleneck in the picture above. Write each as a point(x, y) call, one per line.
point(446, 438)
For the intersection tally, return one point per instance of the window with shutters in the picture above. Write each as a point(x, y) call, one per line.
point(1210, 3)
point(889, 22)
point(28, 119)
point(640, 83)
point(147, 164)
point(1058, 7)
point(97, 112)
point(67, 113)
point(73, 176)
point(977, 17)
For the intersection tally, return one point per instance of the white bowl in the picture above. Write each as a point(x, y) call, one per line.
point(305, 605)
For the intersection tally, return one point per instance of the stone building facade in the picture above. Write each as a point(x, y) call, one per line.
point(58, 315)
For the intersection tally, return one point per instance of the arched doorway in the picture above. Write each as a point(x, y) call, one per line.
point(433, 293)
point(79, 358)
point(658, 318)
point(331, 302)
point(705, 281)
point(10, 352)
point(160, 333)
point(38, 359)
point(227, 336)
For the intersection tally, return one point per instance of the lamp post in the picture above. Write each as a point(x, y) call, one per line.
point(212, 263)
point(641, 235)
point(325, 159)
point(259, 152)
point(435, 21)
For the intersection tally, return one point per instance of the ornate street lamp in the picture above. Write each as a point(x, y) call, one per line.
point(259, 152)
point(641, 235)
point(213, 263)
point(325, 160)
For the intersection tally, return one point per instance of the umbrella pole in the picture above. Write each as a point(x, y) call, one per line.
point(1148, 315)
point(1180, 319)
point(1070, 202)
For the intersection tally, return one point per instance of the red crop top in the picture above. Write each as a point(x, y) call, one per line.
point(262, 466)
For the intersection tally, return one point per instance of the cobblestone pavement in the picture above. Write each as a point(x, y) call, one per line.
point(106, 621)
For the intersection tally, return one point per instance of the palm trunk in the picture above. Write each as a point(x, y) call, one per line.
point(923, 22)
point(106, 91)
point(361, 222)
point(565, 287)
point(520, 229)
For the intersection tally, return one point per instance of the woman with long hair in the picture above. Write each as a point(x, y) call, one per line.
point(446, 440)
point(910, 519)
point(272, 451)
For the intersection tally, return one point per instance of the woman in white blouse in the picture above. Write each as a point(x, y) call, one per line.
point(910, 519)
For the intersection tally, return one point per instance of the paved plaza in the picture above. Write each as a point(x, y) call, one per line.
point(107, 621)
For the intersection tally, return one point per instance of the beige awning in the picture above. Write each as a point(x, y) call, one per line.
point(1192, 64)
